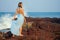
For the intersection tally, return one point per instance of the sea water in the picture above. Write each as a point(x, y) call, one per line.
point(6, 17)
point(44, 14)
point(35, 14)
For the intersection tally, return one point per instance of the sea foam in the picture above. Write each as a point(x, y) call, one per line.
point(5, 21)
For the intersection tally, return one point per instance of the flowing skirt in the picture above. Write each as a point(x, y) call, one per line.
point(17, 24)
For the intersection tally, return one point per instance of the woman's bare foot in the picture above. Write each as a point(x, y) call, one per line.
point(13, 36)
point(21, 35)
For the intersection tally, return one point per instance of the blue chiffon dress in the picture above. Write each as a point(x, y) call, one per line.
point(17, 24)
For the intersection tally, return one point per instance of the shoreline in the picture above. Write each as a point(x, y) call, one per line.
point(40, 28)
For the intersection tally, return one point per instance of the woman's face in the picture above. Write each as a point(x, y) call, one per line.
point(20, 5)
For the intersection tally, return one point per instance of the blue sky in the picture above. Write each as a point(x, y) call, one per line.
point(31, 5)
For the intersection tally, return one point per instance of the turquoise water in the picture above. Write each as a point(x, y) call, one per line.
point(36, 14)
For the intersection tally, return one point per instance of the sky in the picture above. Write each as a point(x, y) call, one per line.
point(31, 5)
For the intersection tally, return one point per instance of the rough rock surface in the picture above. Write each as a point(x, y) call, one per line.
point(41, 29)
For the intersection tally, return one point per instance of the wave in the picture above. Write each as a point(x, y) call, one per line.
point(26, 14)
point(5, 21)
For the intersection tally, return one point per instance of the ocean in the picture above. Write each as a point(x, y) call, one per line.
point(35, 14)
point(44, 14)
point(6, 17)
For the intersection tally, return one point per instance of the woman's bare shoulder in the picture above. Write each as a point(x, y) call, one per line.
point(21, 8)
point(17, 9)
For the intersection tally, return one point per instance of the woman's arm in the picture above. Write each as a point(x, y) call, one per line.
point(23, 15)
point(15, 14)
point(22, 11)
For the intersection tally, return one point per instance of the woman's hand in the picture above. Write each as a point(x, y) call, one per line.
point(15, 18)
point(24, 19)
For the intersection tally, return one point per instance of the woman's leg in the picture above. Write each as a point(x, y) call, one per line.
point(21, 31)
point(13, 35)
point(21, 28)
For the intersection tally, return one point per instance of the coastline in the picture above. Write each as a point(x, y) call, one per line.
point(40, 29)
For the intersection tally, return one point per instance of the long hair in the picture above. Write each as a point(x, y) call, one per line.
point(19, 4)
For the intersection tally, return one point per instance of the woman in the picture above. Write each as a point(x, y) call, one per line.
point(16, 27)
